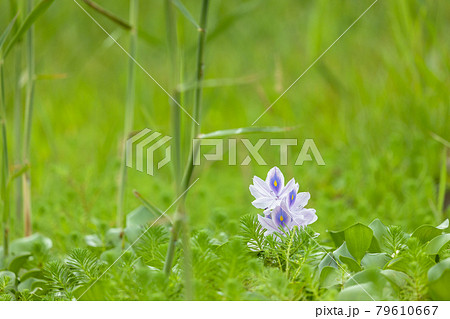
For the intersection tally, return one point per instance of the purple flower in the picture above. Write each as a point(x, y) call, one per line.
point(282, 217)
point(297, 201)
point(276, 219)
point(283, 206)
point(269, 193)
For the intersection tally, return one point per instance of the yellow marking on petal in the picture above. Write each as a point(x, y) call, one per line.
point(281, 218)
point(292, 197)
point(275, 183)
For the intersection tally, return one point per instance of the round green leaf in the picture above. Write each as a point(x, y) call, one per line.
point(329, 277)
point(439, 280)
point(18, 262)
point(435, 246)
point(358, 238)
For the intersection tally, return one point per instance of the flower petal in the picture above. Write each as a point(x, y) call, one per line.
point(275, 180)
point(263, 202)
point(261, 185)
point(288, 188)
point(280, 217)
point(256, 192)
point(267, 224)
point(305, 217)
point(302, 199)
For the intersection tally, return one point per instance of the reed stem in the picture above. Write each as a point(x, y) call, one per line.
point(172, 40)
point(111, 15)
point(129, 112)
point(181, 222)
point(16, 8)
point(5, 169)
point(26, 178)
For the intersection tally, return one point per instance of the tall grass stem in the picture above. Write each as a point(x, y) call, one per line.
point(181, 218)
point(129, 112)
point(28, 117)
point(5, 167)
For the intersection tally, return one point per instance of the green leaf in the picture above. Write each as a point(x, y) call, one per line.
point(399, 263)
point(344, 256)
point(6, 32)
point(33, 273)
point(329, 277)
point(435, 246)
point(378, 260)
point(18, 262)
point(439, 279)
point(40, 8)
point(368, 284)
point(140, 216)
point(114, 236)
point(338, 237)
point(29, 284)
point(361, 292)
point(327, 261)
point(444, 225)
point(351, 263)
point(380, 232)
point(426, 233)
point(93, 241)
point(358, 238)
point(137, 220)
point(245, 130)
point(30, 244)
point(398, 278)
point(185, 12)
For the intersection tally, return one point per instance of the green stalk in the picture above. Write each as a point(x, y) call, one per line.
point(18, 114)
point(111, 15)
point(4, 170)
point(172, 39)
point(181, 218)
point(442, 186)
point(26, 179)
point(198, 93)
point(129, 112)
point(171, 27)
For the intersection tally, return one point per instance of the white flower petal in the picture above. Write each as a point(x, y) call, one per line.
point(261, 185)
point(302, 200)
point(267, 224)
point(287, 189)
point(255, 191)
point(305, 217)
point(263, 202)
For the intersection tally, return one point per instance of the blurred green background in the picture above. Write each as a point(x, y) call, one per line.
point(371, 104)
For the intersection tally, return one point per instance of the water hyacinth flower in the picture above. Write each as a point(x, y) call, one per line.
point(283, 206)
point(269, 193)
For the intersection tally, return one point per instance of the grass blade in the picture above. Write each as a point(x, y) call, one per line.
point(129, 113)
point(213, 83)
point(442, 183)
point(27, 23)
point(155, 210)
point(185, 12)
point(6, 32)
point(108, 14)
point(4, 195)
point(245, 130)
